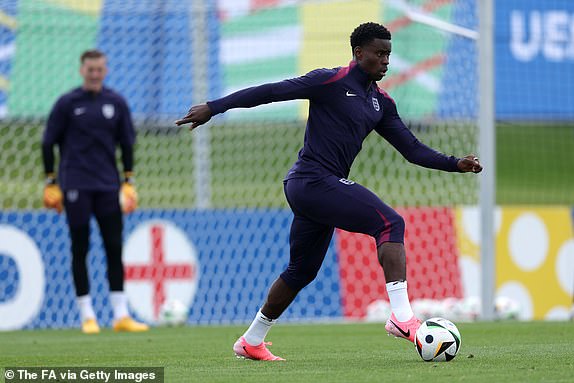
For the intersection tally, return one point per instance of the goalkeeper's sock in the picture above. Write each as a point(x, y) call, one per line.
point(259, 328)
point(399, 300)
point(86, 308)
point(119, 302)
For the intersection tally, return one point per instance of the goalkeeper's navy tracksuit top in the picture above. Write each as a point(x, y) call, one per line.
point(345, 106)
point(87, 127)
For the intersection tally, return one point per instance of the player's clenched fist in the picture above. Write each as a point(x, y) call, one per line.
point(128, 195)
point(469, 163)
point(53, 198)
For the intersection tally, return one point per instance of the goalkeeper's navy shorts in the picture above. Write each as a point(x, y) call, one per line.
point(322, 204)
point(82, 204)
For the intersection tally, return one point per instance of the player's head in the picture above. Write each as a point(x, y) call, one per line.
point(371, 45)
point(93, 69)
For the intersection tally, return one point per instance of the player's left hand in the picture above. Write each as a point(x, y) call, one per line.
point(469, 163)
point(128, 198)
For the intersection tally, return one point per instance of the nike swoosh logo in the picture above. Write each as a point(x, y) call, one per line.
point(349, 94)
point(407, 334)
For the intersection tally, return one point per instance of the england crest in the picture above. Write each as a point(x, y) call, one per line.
point(108, 110)
point(376, 104)
point(72, 195)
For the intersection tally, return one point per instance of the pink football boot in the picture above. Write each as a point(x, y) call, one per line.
point(405, 330)
point(243, 349)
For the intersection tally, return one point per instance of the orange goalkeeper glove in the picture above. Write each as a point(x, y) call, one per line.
point(128, 194)
point(53, 198)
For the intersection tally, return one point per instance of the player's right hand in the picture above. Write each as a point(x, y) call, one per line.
point(197, 115)
point(53, 198)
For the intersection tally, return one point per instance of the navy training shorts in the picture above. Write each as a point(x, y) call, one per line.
point(321, 204)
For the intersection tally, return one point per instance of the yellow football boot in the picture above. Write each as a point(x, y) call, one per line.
point(128, 324)
point(90, 326)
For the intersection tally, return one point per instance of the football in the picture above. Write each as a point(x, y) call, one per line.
point(173, 313)
point(437, 340)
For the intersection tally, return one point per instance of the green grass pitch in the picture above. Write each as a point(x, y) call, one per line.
point(490, 352)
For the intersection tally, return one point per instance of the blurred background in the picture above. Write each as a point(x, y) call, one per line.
point(212, 228)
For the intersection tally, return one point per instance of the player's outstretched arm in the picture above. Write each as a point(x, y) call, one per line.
point(197, 115)
point(303, 87)
point(469, 163)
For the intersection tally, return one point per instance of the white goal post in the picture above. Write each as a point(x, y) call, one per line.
point(487, 150)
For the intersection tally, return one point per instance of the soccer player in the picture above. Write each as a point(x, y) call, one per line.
point(345, 106)
point(87, 124)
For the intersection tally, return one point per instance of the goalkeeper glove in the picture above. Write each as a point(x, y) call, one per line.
point(128, 194)
point(53, 198)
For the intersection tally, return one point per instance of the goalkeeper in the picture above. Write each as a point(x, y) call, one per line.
point(345, 106)
point(87, 124)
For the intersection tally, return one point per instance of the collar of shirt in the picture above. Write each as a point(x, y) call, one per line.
point(359, 75)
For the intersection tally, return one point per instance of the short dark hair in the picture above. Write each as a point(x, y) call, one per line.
point(91, 54)
point(367, 32)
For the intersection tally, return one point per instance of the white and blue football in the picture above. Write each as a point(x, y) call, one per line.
point(437, 340)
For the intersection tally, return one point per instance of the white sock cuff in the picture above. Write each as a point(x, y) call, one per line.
point(263, 319)
point(397, 285)
point(118, 297)
point(84, 299)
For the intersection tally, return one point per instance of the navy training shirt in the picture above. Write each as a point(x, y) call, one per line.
point(345, 106)
point(87, 127)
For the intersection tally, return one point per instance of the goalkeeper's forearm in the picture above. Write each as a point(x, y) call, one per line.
point(128, 158)
point(48, 158)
